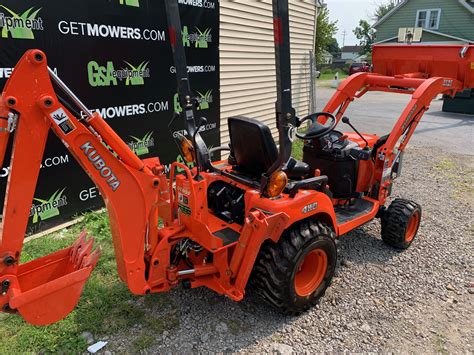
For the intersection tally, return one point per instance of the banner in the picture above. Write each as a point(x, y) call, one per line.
point(116, 56)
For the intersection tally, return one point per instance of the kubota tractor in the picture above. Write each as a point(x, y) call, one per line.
point(258, 219)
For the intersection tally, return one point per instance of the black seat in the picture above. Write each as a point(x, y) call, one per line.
point(255, 151)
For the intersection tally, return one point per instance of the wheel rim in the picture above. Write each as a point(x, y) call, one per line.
point(311, 272)
point(412, 227)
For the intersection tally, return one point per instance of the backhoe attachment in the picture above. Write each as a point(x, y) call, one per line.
point(46, 290)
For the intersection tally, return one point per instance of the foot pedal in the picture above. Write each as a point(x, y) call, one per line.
point(47, 289)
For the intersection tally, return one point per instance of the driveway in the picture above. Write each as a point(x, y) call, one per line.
point(377, 112)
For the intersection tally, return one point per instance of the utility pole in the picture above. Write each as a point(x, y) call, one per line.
point(344, 34)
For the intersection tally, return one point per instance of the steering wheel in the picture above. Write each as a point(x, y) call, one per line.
point(317, 130)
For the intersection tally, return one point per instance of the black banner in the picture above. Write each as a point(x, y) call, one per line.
point(115, 55)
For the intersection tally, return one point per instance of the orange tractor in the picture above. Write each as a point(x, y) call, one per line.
point(258, 219)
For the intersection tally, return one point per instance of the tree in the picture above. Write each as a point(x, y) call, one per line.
point(325, 31)
point(366, 36)
point(384, 8)
point(333, 47)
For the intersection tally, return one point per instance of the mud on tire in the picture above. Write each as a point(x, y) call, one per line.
point(279, 275)
point(400, 223)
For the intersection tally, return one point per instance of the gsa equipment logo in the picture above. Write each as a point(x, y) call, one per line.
point(107, 75)
point(141, 146)
point(133, 3)
point(21, 25)
point(49, 208)
point(199, 39)
point(204, 100)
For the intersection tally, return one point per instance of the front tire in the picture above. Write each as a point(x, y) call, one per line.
point(293, 274)
point(400, 223)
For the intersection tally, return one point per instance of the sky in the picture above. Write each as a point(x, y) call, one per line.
point(348, 13)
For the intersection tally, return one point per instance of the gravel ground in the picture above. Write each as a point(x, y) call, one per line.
point(420, 300)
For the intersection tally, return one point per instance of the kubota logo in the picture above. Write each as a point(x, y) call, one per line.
point(20, 26)
point(49, 208)
point(107, 75)
point(204, 100)
point(100, 165)
point(200, 39)
point(141, 146)
point(134, 3)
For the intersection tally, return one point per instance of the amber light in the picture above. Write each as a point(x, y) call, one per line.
point(277, 183)
point(187, 149)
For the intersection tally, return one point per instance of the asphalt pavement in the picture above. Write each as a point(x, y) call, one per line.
point(377, 112)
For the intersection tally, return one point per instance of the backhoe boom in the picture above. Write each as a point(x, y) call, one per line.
point(127, 184)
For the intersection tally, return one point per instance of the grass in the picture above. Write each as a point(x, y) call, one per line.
point(330, 75)
point(106, 307)
point(440, 344)
point(298, 149)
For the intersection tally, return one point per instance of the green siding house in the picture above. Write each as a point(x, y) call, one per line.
point(428, 21)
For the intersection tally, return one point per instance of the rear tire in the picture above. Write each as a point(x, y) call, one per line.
point(293, 274)
point(400, 223)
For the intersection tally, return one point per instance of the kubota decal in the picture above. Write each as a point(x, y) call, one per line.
point(94, 157)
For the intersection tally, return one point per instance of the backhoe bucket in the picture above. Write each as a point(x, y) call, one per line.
point(47, 289)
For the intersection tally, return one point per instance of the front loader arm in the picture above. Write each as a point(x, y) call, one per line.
point(423, 90)
point(128, 187)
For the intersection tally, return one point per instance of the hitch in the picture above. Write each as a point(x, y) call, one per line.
point(46, 290)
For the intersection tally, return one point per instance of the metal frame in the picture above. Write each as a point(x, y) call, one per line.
point(186, 97)
point(285, 113)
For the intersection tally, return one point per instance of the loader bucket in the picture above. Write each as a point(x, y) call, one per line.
point(47, 289)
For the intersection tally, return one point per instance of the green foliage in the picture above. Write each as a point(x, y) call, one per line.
point(325, 32)
point(105, 308)
point(366, 36)
point(298, 149)
point(333, 47)
point(384, 8)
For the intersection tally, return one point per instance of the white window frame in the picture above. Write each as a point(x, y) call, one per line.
point(428, 17)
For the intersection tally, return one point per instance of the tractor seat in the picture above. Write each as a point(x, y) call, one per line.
point(255, 151)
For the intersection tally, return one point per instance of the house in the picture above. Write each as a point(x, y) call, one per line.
point(352, 53)
point(428, 21)
point(328, 58)
point(247, 58)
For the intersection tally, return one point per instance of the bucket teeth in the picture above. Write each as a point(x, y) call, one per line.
point(83, 252)
point(92, 259)
point(80, 241)
point(81, 255)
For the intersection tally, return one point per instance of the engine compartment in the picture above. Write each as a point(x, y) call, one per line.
point(340, 156)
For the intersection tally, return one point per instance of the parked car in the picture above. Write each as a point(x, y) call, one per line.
point(359, 68)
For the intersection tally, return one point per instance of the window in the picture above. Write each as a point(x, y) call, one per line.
point(428, 19)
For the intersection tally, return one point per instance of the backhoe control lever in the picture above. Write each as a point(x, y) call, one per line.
point(346, 120)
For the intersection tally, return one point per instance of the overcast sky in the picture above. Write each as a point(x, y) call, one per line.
point(348, 13)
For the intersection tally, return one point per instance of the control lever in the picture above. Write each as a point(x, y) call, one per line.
point(346, 120)
point(202, 121)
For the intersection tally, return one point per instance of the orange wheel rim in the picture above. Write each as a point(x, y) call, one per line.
point(311, 272)
point(412, 227)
